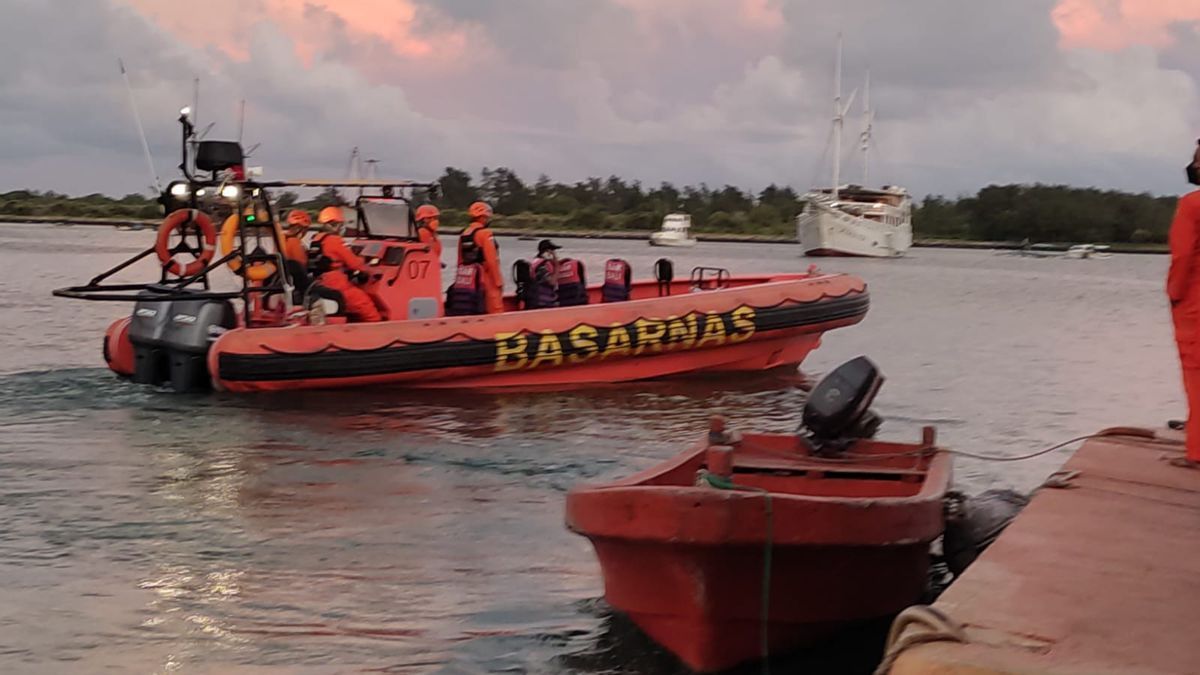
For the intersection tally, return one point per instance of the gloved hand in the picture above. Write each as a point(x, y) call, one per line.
point(360, 277)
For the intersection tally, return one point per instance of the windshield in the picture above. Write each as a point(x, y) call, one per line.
point(386, 217)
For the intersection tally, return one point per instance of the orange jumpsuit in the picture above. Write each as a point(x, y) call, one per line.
point(427, 233)
point(358, 304)
point(294, 250)
point(493, 280)
point(295, 256)
point(1182, 280)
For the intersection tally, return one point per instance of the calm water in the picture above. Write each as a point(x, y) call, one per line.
point(395, 532)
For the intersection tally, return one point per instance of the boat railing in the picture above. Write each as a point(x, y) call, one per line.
point(709, 278)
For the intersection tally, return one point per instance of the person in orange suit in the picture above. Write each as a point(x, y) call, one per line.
point(295, 254)
point(1183, 278)
point(339, 258)
point(427, 228)
point(477, 246)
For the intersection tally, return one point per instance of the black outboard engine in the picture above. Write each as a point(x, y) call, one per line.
point(146, 333)
point(838, 409)
point(192, 326)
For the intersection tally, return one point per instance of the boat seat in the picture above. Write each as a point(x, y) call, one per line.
point(831, 469)
point(618, 281)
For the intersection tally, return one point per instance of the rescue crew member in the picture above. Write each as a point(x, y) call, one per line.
point(427, 229)
point(337, 259)
point(476, 246)
point(1182, 282)
point(295, 253)
point(544, 276)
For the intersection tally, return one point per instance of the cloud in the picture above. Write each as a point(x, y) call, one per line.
point(1117, 24)
point(719, 91)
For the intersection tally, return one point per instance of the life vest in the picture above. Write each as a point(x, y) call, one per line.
point(617, 281)
point(572, 286)
point(469, 250)
point(318, 262)
point(539, 291)
point(465, 295)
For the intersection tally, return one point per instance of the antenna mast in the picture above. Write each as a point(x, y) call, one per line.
point(196, 117)
point(137, 118)
point(241, 120)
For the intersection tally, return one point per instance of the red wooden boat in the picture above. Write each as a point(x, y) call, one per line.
point(682, 545)
point(267, 336)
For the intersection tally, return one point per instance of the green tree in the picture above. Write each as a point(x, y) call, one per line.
point(456, 188)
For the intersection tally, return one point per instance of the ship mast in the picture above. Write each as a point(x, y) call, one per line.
point(869, 119)
point(838, 119)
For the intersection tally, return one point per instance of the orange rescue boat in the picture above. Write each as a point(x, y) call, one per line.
point(750, 545)
point(736, 324)
point(282, 330)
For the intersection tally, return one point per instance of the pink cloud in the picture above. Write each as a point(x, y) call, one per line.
point(312, 25)
point(1112, 25)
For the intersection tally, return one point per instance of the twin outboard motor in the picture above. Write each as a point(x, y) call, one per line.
point(171, 338)
point(193, 326)
point(838, 409)
point(146, 330)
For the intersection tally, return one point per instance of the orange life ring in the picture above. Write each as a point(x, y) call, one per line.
point(259, 270)
point(183, 220)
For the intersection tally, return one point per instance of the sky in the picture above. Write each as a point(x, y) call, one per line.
point(966, 93)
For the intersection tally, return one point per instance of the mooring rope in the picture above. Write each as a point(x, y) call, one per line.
point(933, 625)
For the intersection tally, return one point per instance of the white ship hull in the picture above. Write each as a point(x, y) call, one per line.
point(826, 231)
point(660, 239)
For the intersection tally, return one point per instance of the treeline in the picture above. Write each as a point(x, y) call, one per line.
point(51, 204)
point(1039, 213)
point(1047, 213)
point(616, 204)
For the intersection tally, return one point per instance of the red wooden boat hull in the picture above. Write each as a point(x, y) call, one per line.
point(754, 324)
point(686, 563)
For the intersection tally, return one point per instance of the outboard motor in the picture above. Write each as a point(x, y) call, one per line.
point(838, 409)
point(664, 272)
point(193, 325)
point(146, 331)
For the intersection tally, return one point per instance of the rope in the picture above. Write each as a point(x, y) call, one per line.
point(932, 626)
point(722, 483)
point(852, 457)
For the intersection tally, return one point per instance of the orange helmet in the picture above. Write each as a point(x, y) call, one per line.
point(480, 211)
point(299, 219)
point(331, 214)
point(427, 211)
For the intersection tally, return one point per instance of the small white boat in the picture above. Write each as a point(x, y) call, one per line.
point(1088, 252)
point(1076, 252)
point(674, 232)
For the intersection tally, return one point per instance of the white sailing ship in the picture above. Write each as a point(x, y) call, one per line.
point(851, 219)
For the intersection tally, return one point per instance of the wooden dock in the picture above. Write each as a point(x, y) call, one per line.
point(1100, 578)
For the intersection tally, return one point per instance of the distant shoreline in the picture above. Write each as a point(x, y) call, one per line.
point(127, 223)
